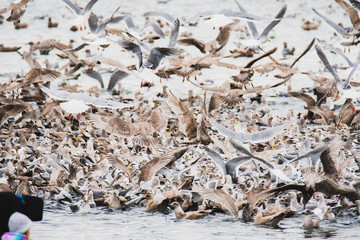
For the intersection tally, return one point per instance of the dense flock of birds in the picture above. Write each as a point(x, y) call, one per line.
point(184, 154)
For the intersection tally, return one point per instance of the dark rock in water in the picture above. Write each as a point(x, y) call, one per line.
point(74, 28)
point(74, 208)
point(21, 25)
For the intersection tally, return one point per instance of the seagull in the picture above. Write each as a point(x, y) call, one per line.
point(174, 33)
point(153, 166)
point(144, 131)
point(115, 77)
point(81, 13)
point(332, 24)
point(10, 110)
point(86, 99)
point(155, 26)
point(229, 167)
point(271, 220)
point(255, 137)
point(164, 15)
point(214, 46)
point(156, 53)
point(117, 163)
point(37, 74)
point(220, 197)
point(309, 222)
point(16, 11)
point(343, 87)
point(76, 9)
point(190, 215)
point(96, 27)
point(337, 51)
point(187, 121)
point(354, 17)
point(228, 13)
point(263, 36)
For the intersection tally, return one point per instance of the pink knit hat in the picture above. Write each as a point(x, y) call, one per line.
point(19, 222)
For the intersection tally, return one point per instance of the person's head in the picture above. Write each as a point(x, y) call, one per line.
point(20, 223)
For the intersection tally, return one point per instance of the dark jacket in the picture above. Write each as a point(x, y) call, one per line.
point(10, 203)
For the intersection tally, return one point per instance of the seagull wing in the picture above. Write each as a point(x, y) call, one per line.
point(324, 59)
point(89, 6)
point(312, 152)
point(251, 25)
point(130, 22)
point(73, 7)
point(266, 54)
point(159, 117)
point(329, 158)
point(303, 53)
point(351, 74)
point(93, 74)
point(115, 161)
point(98, 102)
point(78, 48)
point(338, 51)
point(278, 17)
point(305, 97)
point(242, 149)
point(187, 122)
point(150, 168)
point(112, 124)
point(216, 158)
point(260, 136)
point(223, 130)
point(157, 29)
point(40, 75)
point(268, 134)
point(115, 77)
point(174, 33)
point(233, 164)
point(326, 114)
point(196, 43)
point(139, 42)
point(56, 94)
point(352, 12)
point(165, 15)
point(243, 15)
point(134, 48)
point(157, 54)
point(332, 24)
point(224, 35)
point(220, 197)
point(10, 110)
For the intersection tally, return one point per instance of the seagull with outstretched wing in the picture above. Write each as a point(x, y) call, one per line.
point(263, 36)
point(76, 9)
point(255, 137)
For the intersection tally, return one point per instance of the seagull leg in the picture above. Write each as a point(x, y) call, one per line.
point(167, 78)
